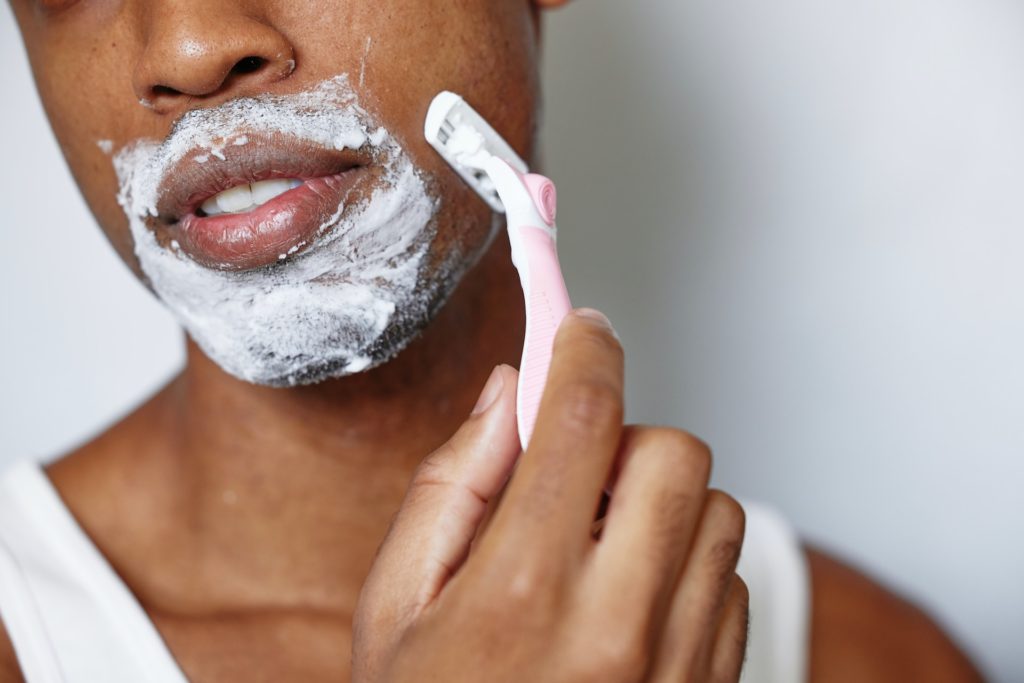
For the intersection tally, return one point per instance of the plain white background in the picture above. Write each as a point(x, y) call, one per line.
point(804, 217)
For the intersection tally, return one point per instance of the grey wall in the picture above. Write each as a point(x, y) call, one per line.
point(805, 219)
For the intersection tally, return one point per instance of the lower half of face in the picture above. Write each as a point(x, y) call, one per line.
point(299, 227)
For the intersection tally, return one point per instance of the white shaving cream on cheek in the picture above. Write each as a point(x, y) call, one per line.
point(354, 298)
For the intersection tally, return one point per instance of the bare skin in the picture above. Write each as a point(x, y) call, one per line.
point(247, 520)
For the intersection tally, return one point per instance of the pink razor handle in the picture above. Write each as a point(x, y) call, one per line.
point(530, 205)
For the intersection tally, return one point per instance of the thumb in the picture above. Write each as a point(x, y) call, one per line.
point(430, 536)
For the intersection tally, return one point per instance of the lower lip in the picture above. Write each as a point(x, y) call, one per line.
point(269, 233)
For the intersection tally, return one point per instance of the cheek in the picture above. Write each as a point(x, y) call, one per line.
point(486, 55)
point(465, 223)
point(89, 100)
point(400, 54)
point(483, 49)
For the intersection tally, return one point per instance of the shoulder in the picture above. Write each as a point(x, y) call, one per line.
point(10, 672)
point(860, 631)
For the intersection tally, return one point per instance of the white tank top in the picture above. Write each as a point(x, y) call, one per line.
point(72, 619)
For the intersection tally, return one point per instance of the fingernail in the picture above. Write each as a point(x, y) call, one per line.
point(597, 316)
point(593, 314)
point(495, 383)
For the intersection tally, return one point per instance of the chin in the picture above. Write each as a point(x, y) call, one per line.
point(340, 349)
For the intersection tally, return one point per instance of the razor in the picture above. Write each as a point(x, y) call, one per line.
point(486, 162)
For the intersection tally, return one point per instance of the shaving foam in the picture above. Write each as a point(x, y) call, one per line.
point(351, 299)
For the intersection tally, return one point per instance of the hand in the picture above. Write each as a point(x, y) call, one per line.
point(536, 596)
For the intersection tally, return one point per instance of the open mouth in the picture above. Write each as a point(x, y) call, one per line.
point(245, 197)
point(258, 203)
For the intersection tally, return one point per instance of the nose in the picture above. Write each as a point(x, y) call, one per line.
point(202, 49)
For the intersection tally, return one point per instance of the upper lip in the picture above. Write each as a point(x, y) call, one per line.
point(189, 183)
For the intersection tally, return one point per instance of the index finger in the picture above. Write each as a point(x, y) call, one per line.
point(551, 500)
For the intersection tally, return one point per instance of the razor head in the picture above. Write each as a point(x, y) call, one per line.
point(467, 142)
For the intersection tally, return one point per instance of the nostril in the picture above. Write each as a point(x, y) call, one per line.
point(247, 65)
point(159, 90)
point(213, 74)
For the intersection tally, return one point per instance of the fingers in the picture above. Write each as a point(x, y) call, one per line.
point(697, 605)
point(729, 649)
point(652, 519)
point(550, 503)
point(430, 535)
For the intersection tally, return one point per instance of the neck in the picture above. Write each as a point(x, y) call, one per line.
point(288, 492)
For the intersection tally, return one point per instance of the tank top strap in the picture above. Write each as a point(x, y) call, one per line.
point(774, 567)
point(69, 615)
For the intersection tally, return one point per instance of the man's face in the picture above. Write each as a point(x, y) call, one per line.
point(262, 163)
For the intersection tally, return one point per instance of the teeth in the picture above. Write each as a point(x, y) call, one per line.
point(234, 200)
point(242, 198)
point(264, 191)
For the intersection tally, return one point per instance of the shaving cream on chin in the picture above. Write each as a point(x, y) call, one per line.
point(351, 300)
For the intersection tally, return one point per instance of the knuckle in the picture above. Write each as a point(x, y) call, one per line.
point(742, 594)
point(737, 630)
point(725, 521)
point(522, 587)
point(724, 556)
point(729, 517)
point(434, 469)
point(435, 460)
point(628, 662)
point(743, 598)
point(689, 454)
point(586, 403)
point(434, 475)
point(619, 657)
